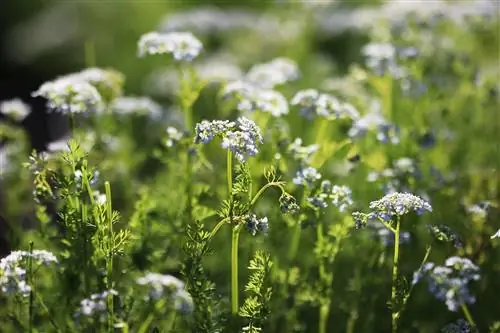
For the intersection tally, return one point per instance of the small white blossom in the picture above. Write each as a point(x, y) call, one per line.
point(95, 304)
point(182, 45)
point(13, 270)
point(314, 104)
point(397, 204)
point(306, 176)
point(15, 108)
point(251, 98)
point(143, 106)
point(69, 95)
point(167, 286)
point(241, 137)
point(300, 153)
point(273, 73)
point(173, 136)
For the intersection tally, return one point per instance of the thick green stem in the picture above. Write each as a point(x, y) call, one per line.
point(467, 314)
point(170, 325)
point(395, 312)
point(109, 261)
point(234, 270)
point(32, 290)
point(324, 312)
point(294, 244)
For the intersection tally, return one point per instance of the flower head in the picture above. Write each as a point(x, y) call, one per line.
point(314, 104)
point(306, 176)
point(254, 224)
point(13, 270)
point(397, 204)
point(288, 204)
point(241, 137)
point(338, 195)
point(173, 136)
point(70, 95)
point(15, 108)
point(450, 283)
point(275, 72)
point(251, 98)
point(183, 46)
point(143, 106)
point(167, 286)
point(95, 304)
point(460, 326)
point(300, 153)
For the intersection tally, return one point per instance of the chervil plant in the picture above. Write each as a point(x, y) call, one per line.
point(215, 179)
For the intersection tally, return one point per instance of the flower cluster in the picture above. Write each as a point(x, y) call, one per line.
point(288, 204)
point(450, 282)
point(143, 106)
point(254, 224)
point(397, 204)
point(460, 326)
point(306, 176)
point(167, 286)
point(95, 304)
point(13, 270)
point(338, 195)
point(300, 153)
point(276, 72)
point(183, 46)
point(84, 91)
point(313, 104)
point(173, 136)
point(241, 137)
point(386, 132)
point(252, 98)
point(67, 95)
point(15, 108)
point(479, 210)
point(382, 58)
point(207, 130)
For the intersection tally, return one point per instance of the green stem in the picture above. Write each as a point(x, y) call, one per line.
point(395, 312)
point(171, 321)
point(109, 261)
point(50, 316)
point(32, 291)
point(467, 314)
point(189, 191)
point(85, 254)
point(353, 317)
point(214, 231)
point(234, 270)
point(229, 172)
point(324, 311)
point(262, 190)
point(294, 245)
point(407, 296)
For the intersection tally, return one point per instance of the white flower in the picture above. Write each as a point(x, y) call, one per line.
point(182, 45)
point(15, 108)
point(251, 98)
point(70, 95)
point(143, 106)
point(275, 72)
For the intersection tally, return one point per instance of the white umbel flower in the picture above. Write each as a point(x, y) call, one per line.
point(183, 46)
